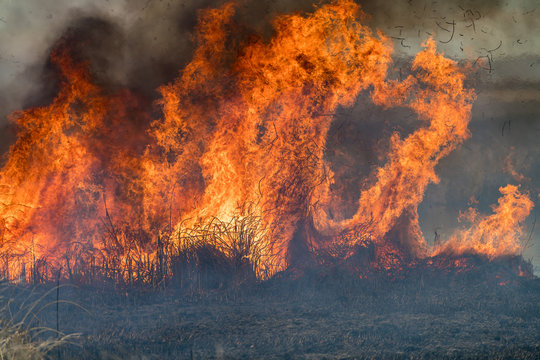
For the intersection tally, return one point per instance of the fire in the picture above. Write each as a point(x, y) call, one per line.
point(57, 174)
point(237, 156)
point(438, 96)
point(496, 234)
point(51, 156)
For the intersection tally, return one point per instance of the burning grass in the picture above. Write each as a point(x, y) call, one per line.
point(211, 253)
point(220, 256)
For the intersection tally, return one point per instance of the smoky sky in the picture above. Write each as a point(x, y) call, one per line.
point(142, 44)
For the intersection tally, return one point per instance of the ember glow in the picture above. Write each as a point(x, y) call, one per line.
point(237, 151)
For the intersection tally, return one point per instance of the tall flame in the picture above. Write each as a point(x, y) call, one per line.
point(242, 135)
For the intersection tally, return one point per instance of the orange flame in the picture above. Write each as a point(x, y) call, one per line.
point(242, 136)
point(437, 95)
point(497, 234)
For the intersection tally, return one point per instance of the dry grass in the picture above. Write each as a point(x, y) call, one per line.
point(20, 337)
point(16, 342)
point(210, 253)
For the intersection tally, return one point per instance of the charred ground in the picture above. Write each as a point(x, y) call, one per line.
point(486, 310)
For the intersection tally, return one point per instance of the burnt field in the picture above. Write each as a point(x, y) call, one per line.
point(300, 181)
point(312, 314)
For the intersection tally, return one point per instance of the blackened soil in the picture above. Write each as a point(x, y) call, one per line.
point(314, 317)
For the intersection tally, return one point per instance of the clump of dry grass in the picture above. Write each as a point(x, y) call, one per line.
point(20, 338)
point(16, 342)
point(234, 251)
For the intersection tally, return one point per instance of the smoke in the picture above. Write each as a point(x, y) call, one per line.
point(139, 44)
point(142, 44)
point(145, 42)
